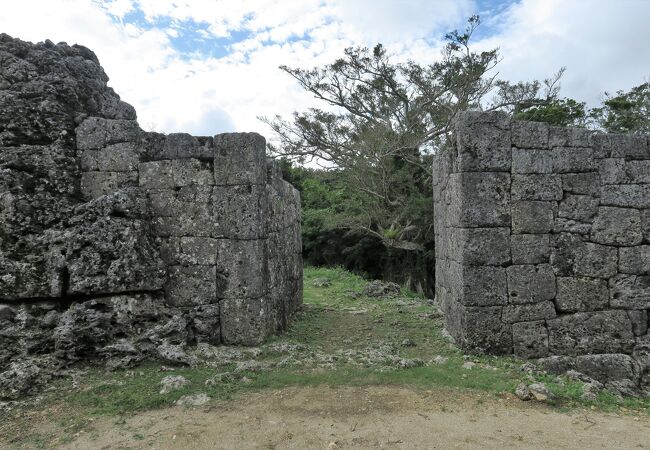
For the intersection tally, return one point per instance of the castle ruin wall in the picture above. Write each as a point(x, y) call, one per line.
point(543, 244)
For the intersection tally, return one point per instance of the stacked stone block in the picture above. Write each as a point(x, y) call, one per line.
point(542, 243)
point(228, 232)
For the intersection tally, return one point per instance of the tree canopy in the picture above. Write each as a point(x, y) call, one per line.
point(380, 123)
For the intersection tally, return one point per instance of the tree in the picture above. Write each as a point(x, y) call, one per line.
point(381, 123)
point(624, 112)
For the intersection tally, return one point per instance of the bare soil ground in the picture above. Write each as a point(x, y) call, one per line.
point(367, 417)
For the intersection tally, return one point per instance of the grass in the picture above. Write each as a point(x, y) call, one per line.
point(340, 336)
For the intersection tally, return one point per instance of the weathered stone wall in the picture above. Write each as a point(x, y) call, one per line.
point(227, 228)
point(123, 243)
point(543, 244)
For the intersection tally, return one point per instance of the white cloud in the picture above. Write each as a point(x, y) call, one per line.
point(603, 43)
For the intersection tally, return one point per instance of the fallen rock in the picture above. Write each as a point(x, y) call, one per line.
point(590, 391)
point(253, 366)
point(378, 288)
point(408, 343)
point(172, 382)
point(523, 393)
point(321, 282)
point(176, 354)
point(439, 359)
point(225, 377)
point(469, 365)
point(540, 392)
point(6, 313)
point(409, 363)
point(193, 400)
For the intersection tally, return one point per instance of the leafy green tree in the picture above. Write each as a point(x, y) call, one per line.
point(380, 124)
point(625, 112)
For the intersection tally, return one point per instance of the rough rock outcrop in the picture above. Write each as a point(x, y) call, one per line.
point(542, 245)
point(121, 244)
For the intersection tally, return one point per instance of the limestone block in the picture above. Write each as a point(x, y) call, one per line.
point(629, 146)
point(528, 313)
point(103, 254)
point(612, 171)
point(156, 175)
point(483, 142)
point(581, 208)
point(563, 225)
point(617, 226)
point(88, 160)
point(198, 250)
point(590, 332)
point(206, 323)
point(121, 130)
point(529, 161)
point(581, 294)
point(601, 145)
point(570, 255)
point(626, 195)
point(121, 157)
point(239, 158)
point(245, 321)
point(530, 248)
point(239, 212)
point(532, 217)
point(641, 354)
point(530, 339)
point(573, 160)
point(529, 134)
point(187, 172)
point(483, 330)
point(569, 137)
point(190, 219)
point(96, 132)
point(639, 319)
point(558, 365)
point(194, 193)
point(530, 283)
point(587, 183)
point(183, 145)
point(481, 246)
point(645, 224)
point(536, 187)
point(170, 250)
point(242, 268)
point(161, 226)
point(608, 367)
point(481, 199)
point(634, 260)
point(478, 286)
point(630, 292)
point(91, 133)
point(162, 202)
point(638, 172)
point(191, 285)
point(96, 184)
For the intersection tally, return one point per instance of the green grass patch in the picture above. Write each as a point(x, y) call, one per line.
point(340, 335)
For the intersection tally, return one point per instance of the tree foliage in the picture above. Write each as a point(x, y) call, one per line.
point(380, 123)
point(625, 112)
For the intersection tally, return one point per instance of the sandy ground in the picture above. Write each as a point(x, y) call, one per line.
point(372, 417)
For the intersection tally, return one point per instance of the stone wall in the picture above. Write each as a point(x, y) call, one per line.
point(543, 244)
point(120, 243)
point(226, 225)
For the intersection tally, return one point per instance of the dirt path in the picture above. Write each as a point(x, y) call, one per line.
point(373, 417)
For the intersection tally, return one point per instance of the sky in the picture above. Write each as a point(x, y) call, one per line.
point(211, 66)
